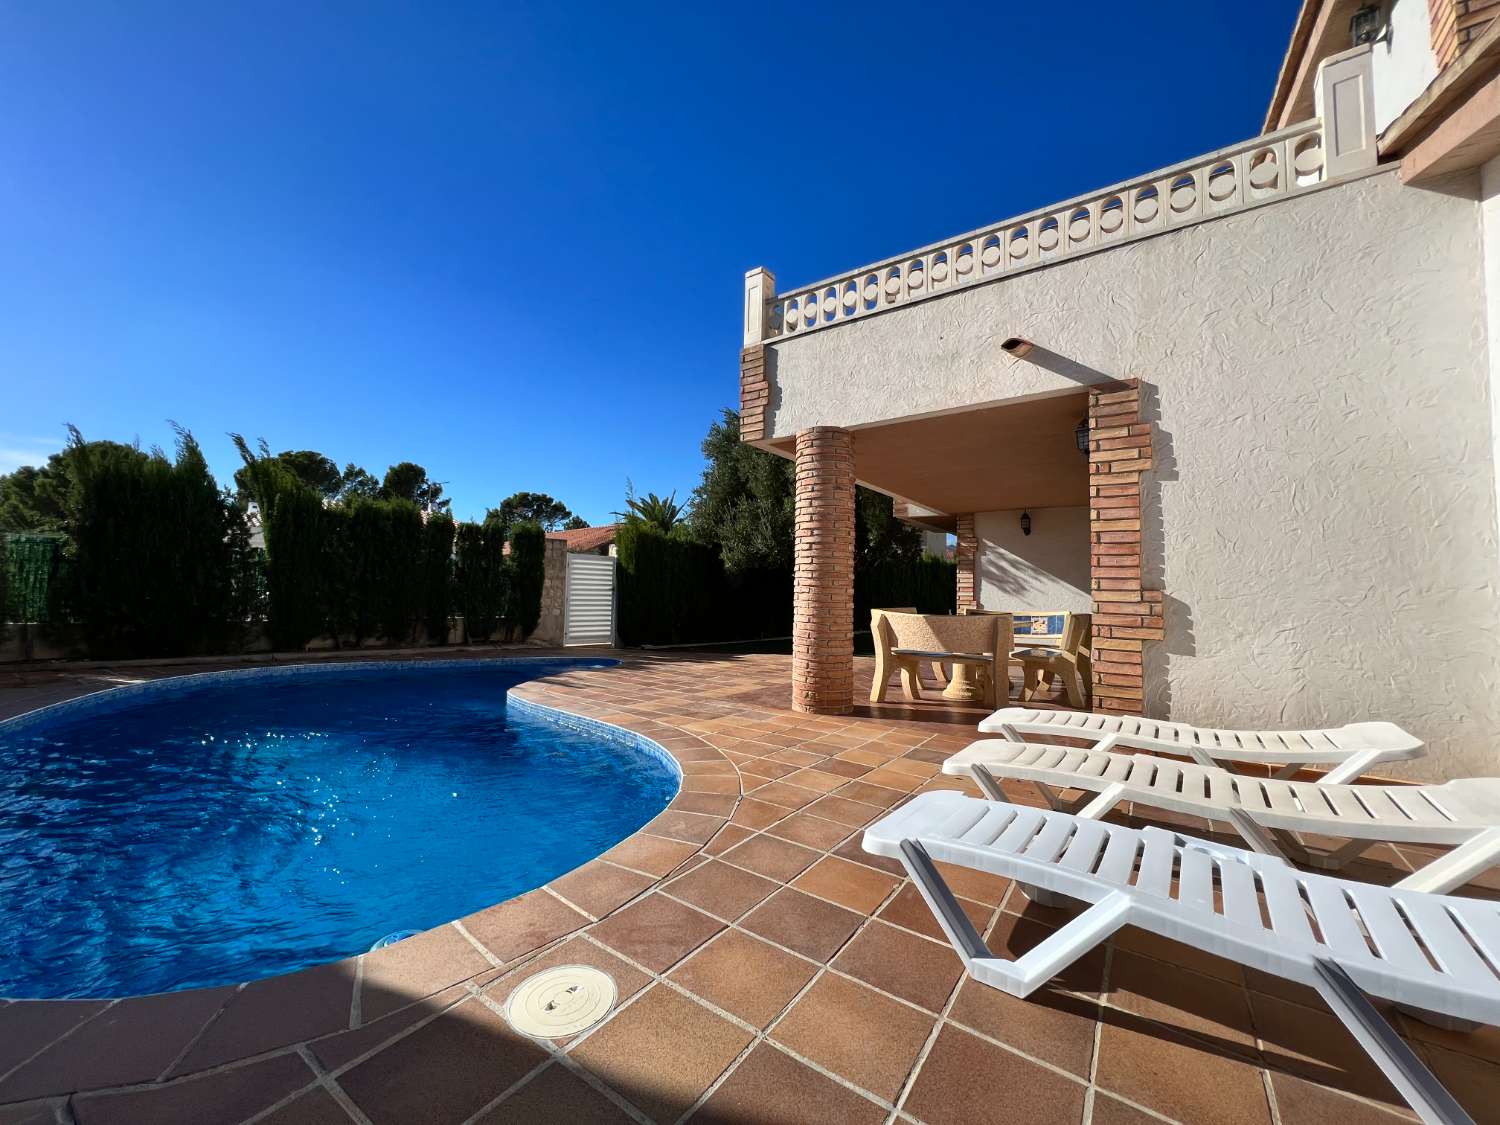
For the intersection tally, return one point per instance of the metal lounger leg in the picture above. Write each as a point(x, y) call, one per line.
point(966, 940)
point(1050, 795)
point(988, 785)
point(1257, 837)
point(1422, 1091)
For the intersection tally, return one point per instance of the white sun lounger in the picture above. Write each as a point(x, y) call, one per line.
point(1346, 751)
point(1463, 815)
point(1432, 954)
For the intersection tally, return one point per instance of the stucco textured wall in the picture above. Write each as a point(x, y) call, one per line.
point(1322, 511)
point(1046, 570)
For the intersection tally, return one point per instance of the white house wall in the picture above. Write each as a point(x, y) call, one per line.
point(1322, 512)
point(1325, 515)
point(1403, 63)
point(1489, 209)
point(1047, 570)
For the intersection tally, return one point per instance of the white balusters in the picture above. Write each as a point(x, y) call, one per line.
point(1270, 167)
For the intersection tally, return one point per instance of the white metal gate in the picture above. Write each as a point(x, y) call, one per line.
point(589, 601)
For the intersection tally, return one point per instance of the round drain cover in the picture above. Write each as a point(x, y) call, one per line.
point(561, 1001)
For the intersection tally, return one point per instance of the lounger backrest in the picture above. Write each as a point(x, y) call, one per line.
point(1150, 734)
point(931, 633)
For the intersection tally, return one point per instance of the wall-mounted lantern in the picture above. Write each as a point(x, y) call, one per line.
point(1081, 435)
point(1367, 25)
point(1025, 523)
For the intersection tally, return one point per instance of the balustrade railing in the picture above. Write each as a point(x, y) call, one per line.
point(1275, 166)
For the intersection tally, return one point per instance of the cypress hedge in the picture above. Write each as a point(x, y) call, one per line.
point(528, 560)
point(927, 582)
point(437, 576)
point(301, 545)
point(481, 579)
point(383, 562)
point(157, 561)
point(673, 590)
point(151, 566)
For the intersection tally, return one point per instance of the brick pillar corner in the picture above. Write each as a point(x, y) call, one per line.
point(755, 393)
point(966, 555)
point(1126, 614)
point(823, 585)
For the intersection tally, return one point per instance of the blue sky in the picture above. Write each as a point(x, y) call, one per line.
point(508, 241)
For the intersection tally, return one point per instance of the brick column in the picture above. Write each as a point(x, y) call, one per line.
point(823, 595)
point(1126, 615)
point(966, 555)
point(1443, 21)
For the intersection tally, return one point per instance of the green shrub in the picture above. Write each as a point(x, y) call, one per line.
point(528, 560)
point(301, 546)
point(401, 598)
point(928, 583)
point(672, 590)
point(354, 568)
point(437, 576)
point(481, 579)
point(675, 591)
point(152, 567)
point(373, 570)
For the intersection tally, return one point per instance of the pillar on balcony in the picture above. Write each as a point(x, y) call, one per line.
point(966, 555)
point(823, 597)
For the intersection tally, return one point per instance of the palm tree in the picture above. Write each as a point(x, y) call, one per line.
point(661, 512)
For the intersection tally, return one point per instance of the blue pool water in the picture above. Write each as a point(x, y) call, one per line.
point(211, 830)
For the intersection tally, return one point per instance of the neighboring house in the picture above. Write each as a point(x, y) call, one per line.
point(588, 540)
point(1245, 403)
point(257, 528)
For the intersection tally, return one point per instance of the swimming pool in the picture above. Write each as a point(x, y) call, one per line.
point(215, 829)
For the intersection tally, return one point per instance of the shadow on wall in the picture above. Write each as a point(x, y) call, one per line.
point(1180, 639)
point(1011, 574)
point(1080, 373)
point(773, 391)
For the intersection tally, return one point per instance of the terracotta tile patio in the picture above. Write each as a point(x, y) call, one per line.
point(768, 971)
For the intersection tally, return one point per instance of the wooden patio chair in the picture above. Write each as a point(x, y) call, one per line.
point(1053, 646)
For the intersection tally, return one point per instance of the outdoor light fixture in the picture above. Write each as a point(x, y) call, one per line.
point(1025, 523)
point(1017, 347)
point(1366, 26)
point(1081, 435)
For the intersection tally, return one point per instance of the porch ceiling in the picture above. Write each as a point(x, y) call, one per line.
point(1018, 455)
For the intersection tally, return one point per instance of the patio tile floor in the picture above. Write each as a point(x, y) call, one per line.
point(768, 971)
